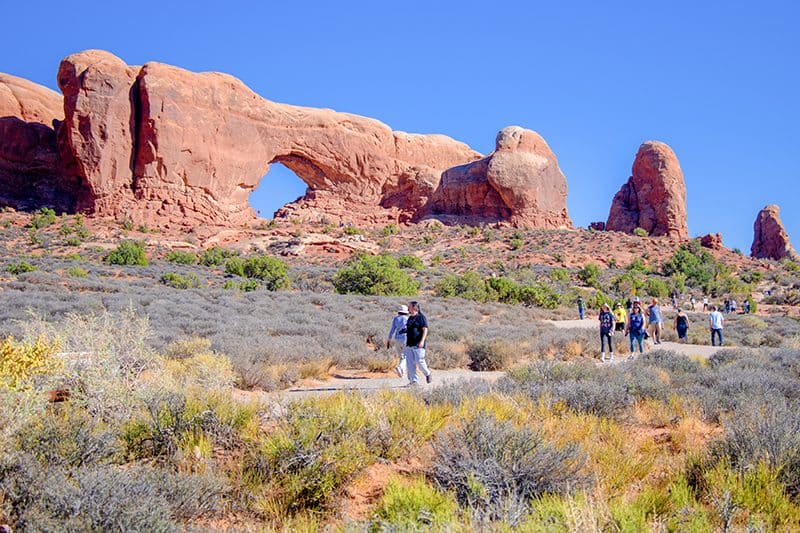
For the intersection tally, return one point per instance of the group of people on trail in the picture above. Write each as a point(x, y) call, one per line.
point(409, 333)
point(638, 326)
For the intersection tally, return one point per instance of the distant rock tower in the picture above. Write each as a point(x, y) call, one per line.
point(770, 240)
point(654, 197)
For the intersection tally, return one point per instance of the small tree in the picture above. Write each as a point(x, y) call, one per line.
point(375, 275)
point(129, 253)
point(589, 274)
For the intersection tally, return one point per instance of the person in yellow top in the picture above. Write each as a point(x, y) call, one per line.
point(620, 317)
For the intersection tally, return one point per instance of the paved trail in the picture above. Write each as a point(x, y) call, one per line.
point(364, 382)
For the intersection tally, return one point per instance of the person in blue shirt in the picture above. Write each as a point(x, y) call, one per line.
point(397, 336)
point(655, 319)
point(635, 329)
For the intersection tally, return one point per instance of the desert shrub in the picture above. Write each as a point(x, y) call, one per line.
point(22, 362)
point(413, 505)
point(492, 466)
point(181, 257)
point(640, 232)
point(589, 275)
point(539, 295)
point(215, 256)
point(656, 287)
point(490, 355)
point(205, 369)
point(77, 272)
point(374, 275)
point(181, 281)
point(390, 229)
point(559, 274)
point(411, 262)
point(248, 285)
point(130, 253)
point(271, 271)
point(469, 285)
point(43, 218)
point(697, 264)
point(20, 267)
point(628, 283)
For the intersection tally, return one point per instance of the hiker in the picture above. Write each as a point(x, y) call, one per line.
point(733, 306)
point(682, 325)
point(715, 324)
point(397, 336)
point(727, 304)
point(705, 304)
point(416, 335)
point(620, 317)
point(674, 300)
point(606, 333)
point(628, 305)
point(581, 307)
point(692, 302)
point(654, 320)
point(635, 329)
point(746, 306)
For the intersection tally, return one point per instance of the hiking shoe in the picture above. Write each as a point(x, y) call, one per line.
point(399, 370)
point(412, 384)
point(428, 378)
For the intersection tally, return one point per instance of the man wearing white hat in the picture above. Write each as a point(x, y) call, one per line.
point(397, 335)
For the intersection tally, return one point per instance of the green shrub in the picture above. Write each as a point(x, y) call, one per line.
point(697, 264)
point(515, 243)
point(539, 295)
point(559, 274)
point(352, 230)
point(390, 229)
point(374, 275)
point(73, 241)
point(43, 218)
point(469, 285)
point(640, 232)
point(638, 265)
point(181, 258)
point(216, 256)
point(235, 266)
point(127, 224)
point(77, 272)
point(269, 270)
point(248, 285)
point(657, 288)
point(179, 281)
point(129, 253)
point(411, 262)
point(588, 275)
point(413, 505)
point(20, 268)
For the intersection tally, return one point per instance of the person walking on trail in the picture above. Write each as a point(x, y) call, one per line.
point(628, 305)
point(654, 319)
point(733, 306)
point(715, 324)
point(581, 307)
point(620, 317)
point(674, 297)
point(682, 325)
point(692, 302)
point(397, 337)
point(606, 333)
point(746, 306)
point(705, 304)
point(635, 329)
point(416, 337)
point(727, 304)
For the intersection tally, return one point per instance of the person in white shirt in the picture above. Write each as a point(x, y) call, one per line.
point(715, 324)
point(397, 335)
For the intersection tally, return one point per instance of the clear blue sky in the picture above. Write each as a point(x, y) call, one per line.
point(717, 80)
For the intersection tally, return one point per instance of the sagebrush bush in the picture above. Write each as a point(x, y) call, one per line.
point(490, 355)
point(129, 253)
point(181, 281)
point(493, 466)
point(20, 267)
point(375, 275)
point(413, 505)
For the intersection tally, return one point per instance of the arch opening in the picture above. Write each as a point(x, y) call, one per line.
point(278, 187)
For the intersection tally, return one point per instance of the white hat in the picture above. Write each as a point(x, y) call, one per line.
point(403, 310)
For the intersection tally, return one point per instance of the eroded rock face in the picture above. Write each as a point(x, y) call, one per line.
point(519, 182)
point(161, 145)
point(654, 197)
point(712, 241)
point(31, 172)
point(770, 240)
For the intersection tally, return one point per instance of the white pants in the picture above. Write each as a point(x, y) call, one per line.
point(399, 346)
point(414, 357)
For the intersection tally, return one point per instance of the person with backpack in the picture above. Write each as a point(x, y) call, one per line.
point(581, 307)
point(682, 325)
point(654, 319)
point(416, 337)
point(397, 336)
point(636, 329)
point(606, 333)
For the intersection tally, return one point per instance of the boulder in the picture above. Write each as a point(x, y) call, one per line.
point(712, 241)
point(31, 172)
point(654, 197)
point(597, 226)
point(770, 240)
point(520, 182)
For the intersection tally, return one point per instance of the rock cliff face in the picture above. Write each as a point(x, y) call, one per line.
point(162, 145)
point(520, 181)
point(654, 197)
point(770, 240)
point(31, 172)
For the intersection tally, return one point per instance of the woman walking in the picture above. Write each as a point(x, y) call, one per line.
point(682, 325)
point(606, 333)
point(635, 329)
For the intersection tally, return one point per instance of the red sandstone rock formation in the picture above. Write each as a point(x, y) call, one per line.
point(654, 197)
point(712, 241)
point(770, 240)
point(31, 172)
point(519, 182)
point(161, 145)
